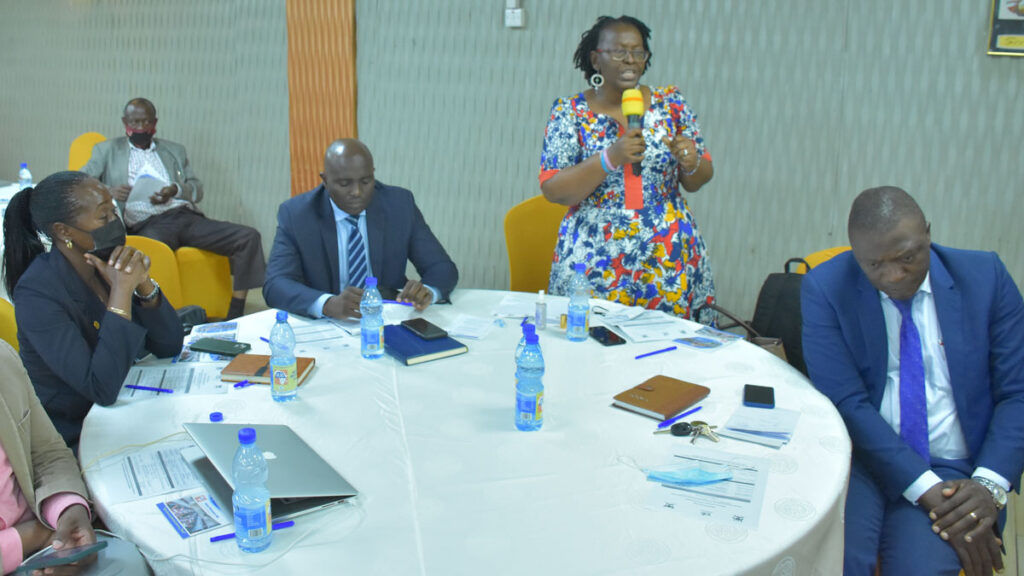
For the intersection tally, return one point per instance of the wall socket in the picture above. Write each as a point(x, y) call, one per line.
point(514, 18)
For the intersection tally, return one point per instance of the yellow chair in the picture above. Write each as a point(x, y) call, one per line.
point(8, 325)
point(820, 256)
point(163, 267)
point(205, 280)
point(81, 150)
point(531, 231)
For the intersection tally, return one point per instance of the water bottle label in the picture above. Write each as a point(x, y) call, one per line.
point(530, 406)
point(372, 340)
point(579, 318)
point(284, 379)
point(254, 522)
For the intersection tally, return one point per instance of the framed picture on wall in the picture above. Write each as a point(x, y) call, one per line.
point(1006, 30)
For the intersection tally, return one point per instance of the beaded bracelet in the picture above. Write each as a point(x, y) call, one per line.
point(695, 168)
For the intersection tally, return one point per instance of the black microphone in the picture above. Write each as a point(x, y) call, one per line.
point(633, 110)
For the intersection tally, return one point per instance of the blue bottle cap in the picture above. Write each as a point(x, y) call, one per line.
point(216, 417)
point(247, 436)
point(24, 164)
point(371, 282)
point(580, 267)
point(532, 338)
point(282, 316)
point(529, 329)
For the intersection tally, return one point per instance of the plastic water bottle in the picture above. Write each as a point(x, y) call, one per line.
point(530, 386)
point(24, 177)
point(527, 329)
point(251, 499)
point(371, 326)
point(579, 306)
point(284, 378)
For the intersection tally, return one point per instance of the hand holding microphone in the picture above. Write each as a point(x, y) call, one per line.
point(633, 110)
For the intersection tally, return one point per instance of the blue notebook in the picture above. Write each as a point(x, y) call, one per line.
point(409, 348)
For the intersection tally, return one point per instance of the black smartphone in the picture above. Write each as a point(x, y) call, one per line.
point(60, 557)
point(424, 329)
point(758, 396)
point(606, 336)
point(218, 346)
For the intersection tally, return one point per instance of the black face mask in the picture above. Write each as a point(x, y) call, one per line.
point(141, 140)
point(107, 237)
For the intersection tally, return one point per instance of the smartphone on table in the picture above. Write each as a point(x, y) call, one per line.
point(606, 336)
point(52, 557)
point(424, 329)
point(758, 396)
point(218, 346)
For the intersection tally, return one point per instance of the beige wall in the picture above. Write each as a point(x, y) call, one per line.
point(804, 103)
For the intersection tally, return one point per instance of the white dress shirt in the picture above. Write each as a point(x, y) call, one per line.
point(945, 436)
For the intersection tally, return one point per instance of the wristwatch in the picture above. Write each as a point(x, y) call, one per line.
point(149, 297)
point(998, 494)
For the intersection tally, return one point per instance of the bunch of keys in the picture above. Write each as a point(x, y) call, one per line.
point(697, 428)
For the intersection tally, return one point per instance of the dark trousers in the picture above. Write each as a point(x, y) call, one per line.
point(241, 244)
point(896, 532)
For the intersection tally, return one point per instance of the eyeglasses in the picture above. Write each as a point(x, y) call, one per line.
point(620, 55)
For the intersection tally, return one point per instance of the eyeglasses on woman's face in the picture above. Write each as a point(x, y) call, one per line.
point(619, 55)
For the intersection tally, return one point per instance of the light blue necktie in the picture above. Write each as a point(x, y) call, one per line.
point(913, 403)
point(356, 255)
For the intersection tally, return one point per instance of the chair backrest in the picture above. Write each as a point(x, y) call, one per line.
point(777, 312)
point(205, 280)
point(820, 256)
point(8, 325)
point(163, 266)
point(531, 231)
point(81, 150)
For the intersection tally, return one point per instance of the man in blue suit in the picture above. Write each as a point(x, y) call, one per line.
point(934, 402)
point(351, 226)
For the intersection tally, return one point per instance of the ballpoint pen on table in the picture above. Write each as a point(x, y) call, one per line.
point(243, 384)
point(148, 388)
point(277, 526)
point(267, 340)
point(397, 302)
point(646, 354)
point(675, 419)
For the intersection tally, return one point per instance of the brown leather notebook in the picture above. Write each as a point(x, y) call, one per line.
point(661, 397)
point(256, 368)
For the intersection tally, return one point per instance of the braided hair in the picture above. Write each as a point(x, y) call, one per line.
point(589, 39)
point(33, 211)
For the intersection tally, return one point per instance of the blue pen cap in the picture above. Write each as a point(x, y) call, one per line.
point(247, 436)
point(371, 282)
point(580, 267)
point(282, 316)
point(216, 417)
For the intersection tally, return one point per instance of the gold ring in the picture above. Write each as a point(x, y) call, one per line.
point(974, 516)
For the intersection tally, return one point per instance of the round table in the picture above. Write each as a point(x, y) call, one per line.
point(449, 486)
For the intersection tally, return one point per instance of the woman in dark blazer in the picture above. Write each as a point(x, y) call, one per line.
point(87, 308)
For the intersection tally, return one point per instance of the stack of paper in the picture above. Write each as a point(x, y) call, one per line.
point(768, 426)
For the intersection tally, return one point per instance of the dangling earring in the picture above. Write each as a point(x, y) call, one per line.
point(596, 81)
point(67, 242)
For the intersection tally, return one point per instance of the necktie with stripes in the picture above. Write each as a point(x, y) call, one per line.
point(357, 265)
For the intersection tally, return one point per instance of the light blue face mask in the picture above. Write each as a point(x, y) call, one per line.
point(687, 474)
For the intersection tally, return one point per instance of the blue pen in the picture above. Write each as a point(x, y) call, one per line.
point(278, 526)
point(672, 421)
point(149, 388)
point(267, 340)
point(397, 302)
point(646, 354)
point(243, 384)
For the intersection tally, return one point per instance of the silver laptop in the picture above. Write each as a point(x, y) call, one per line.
point(299, 480)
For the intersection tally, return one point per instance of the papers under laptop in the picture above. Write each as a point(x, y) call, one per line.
point(299, 481)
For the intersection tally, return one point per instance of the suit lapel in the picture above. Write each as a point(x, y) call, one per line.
point(376, 220)
point(329, 237)
point(872, 325)
point(119, 161)
point(949, 309)
point(15, 449)
point(169, 161)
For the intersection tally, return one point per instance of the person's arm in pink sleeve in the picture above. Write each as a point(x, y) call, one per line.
point(55, 505)
point(10, 549)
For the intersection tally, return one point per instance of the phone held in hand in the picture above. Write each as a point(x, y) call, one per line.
point(424, 329)
point(51, 557)
point(219, 346)
point(606, 336)
point(758, 396)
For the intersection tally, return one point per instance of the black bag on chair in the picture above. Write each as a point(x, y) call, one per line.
point(776, 324)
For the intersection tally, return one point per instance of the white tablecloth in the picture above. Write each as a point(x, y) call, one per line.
point(449, 486)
